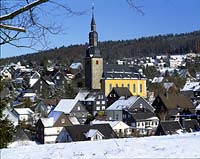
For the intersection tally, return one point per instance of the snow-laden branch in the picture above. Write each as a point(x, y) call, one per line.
point(21, 10)
point(20, 29)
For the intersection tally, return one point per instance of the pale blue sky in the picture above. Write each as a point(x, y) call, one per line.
point(116, 21)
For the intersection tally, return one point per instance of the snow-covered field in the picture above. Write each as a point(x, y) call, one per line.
point(175, 146)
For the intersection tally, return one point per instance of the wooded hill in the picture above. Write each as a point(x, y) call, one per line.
point(112, 50)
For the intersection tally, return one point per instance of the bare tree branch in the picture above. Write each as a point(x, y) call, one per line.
point(135, 7)
point(21, 10)
point(12, 28)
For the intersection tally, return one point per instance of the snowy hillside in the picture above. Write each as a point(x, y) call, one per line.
point(176, 146)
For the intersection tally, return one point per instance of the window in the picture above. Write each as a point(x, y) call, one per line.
point(128, 85)
point(122, 85)
point(79, 108)
point(62, 121)
point(103, 107)
point(110, 87)
point(97, 102)
point(40, 82)
point(116, 85)
point(57, 77)
point(103, 102)
point(140, 88)
point(97, 62)
point(98, 108)
point(117, 117)
point(134, 90)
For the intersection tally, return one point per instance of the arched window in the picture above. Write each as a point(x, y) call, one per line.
point(97, 62)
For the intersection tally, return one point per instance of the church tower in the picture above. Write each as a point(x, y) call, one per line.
point(93, 59)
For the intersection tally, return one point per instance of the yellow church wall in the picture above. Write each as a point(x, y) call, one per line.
point(108, 84)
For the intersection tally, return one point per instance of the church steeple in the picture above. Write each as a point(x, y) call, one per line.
point(93, 59)
point(93, 36)
point(93, 24)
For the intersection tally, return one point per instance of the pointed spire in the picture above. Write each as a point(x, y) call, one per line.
point(93, 24)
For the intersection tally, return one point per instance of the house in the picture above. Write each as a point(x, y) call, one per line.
point(86, 133)
point(157, 80)
point(5, 74)
point(22, 135)
point(11, 115)
point(73, 107)
point(93, 100)
point(120, 128)
point(145, 123)
point(48, 129)
point(25, 115)
point(169, 105)
point(41, 110)
point(123, 76)
point(191, 89)
point(30, 96)
point(76, 68)
point(168, 128)
point(59, 80)
point(135, 112)
point(132, 104)
point(116, 93)
point(41, 85)
point(169, 86)
point(190, 125)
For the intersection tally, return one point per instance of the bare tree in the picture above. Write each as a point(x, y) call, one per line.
point(22, 20)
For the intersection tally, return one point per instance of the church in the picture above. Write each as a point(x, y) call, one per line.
point(99, 75)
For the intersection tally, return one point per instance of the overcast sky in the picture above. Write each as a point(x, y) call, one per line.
point(116, 21)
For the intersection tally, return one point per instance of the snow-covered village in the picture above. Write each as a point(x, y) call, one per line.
point(135, 98)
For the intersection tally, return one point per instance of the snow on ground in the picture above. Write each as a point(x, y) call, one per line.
point(175, 146)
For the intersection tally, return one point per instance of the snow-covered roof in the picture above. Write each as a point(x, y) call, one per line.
point(82, 95)
point(24, 111)
point(92, 132)
point(29, 95)
point(111, 123)
point(189, 86)
point(55, 115)
point(74, 120)
point(76, 65)
point(123, 103)
point(157, 79)
point(198, 107)
point(50, 83)
point(66, 105)
point(34, 78)
point(47, 122)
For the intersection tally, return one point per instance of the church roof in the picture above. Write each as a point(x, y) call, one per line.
point(120, 72)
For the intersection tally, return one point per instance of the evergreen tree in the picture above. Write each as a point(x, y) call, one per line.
point(7, 129)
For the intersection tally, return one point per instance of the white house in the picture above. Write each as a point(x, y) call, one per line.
point(48, 129)
point(120, 128)
point(25, 115)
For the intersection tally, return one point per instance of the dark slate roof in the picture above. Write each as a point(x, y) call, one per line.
point(21, 135)
point(77, 132)
point(122, 91)
point(191, 125)
point(141, 116)
point(172, 101)
point(120, 71)
point(170, 126)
